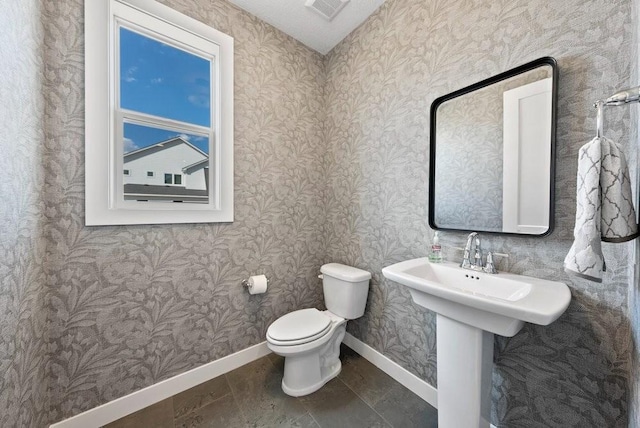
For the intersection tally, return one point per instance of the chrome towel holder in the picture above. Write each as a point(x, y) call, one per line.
point(628, 96)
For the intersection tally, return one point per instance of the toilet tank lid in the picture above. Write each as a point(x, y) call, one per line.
point(344, 272)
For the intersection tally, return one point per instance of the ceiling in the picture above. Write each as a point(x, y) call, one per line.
point(300, 22)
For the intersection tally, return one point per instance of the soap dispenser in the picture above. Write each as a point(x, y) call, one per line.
point(435, 255)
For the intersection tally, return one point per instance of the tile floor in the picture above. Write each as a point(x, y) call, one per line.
point(361, 396)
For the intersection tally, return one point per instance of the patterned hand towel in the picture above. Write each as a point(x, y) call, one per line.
point(605, 210)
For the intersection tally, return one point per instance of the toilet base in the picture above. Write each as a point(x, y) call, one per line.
point(308, 371)
point(299, 392)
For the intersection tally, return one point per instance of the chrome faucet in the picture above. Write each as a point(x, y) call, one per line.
point(477, 263)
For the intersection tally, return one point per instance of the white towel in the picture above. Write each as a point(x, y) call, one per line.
point(605, 210)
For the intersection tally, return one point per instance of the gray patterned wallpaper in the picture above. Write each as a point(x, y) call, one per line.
point(23, 384)
point(381, 82)
point(115, 309)
point(130, 306)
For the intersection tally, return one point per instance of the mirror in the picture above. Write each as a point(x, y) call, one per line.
point(492, 153)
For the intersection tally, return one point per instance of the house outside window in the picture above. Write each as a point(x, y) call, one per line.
point(159, 95)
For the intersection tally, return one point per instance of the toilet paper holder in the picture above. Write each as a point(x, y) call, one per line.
point(245, 282)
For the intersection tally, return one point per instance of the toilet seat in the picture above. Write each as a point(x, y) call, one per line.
point(299, 327)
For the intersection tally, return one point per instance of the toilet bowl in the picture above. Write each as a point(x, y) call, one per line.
point(312, 359)
point(310, 339)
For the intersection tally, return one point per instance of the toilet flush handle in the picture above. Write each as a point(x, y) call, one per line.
point(321, 276)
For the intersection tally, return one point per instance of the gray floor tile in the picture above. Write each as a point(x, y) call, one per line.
point(402, 408)
point(223, 412)
point(199, 396)
point(306, 421)
point(159, 415)
point(277, 361)
point(335, 405)
point(365, 379)
point(251, 396)
point(255, 368)
point(256, 388)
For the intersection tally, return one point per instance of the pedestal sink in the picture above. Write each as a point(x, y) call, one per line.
point(471, 307)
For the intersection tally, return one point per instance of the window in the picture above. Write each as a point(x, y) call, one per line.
point(159, 97)
point(173, 179)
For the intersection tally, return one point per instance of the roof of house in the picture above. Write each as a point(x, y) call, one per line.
point(201, 163)
point(164, 143)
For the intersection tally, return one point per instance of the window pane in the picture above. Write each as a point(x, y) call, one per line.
point(137, 137)
point(162, 80)
point(182, 162)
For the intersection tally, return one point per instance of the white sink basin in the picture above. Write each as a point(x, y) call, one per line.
point(470, 306)
point(499, 303)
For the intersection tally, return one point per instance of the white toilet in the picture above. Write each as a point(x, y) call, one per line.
point(310, 339)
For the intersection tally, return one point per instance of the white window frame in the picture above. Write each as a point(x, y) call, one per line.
point(104, 177)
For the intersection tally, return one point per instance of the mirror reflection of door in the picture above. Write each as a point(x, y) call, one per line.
point(527, 127)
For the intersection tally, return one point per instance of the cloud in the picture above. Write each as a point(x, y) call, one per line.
point(199, 100)
point(192, 138)
point(129, 145)
point(129, 74)
point(157, 80)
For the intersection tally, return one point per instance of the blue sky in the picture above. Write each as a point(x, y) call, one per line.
point(164, 81)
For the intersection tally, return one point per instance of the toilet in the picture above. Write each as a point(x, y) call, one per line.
point(309, 339)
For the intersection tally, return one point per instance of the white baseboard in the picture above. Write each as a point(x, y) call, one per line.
point(123, 406)
point(403, 376)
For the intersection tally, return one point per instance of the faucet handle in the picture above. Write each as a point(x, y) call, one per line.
point(490, 266)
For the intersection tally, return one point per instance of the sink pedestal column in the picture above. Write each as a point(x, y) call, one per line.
point(465, 363)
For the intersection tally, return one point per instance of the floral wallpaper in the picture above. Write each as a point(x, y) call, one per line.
point(130, 306)
point(331, 165)
point(381, 82)
point(23, 382)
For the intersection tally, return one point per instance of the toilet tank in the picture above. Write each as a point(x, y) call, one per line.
point(345, 289)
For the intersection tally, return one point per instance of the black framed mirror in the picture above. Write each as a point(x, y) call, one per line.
point(492, 154)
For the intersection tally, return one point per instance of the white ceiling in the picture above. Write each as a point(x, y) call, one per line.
point(303, 24)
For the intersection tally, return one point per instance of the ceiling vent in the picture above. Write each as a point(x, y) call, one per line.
point(328, 9)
